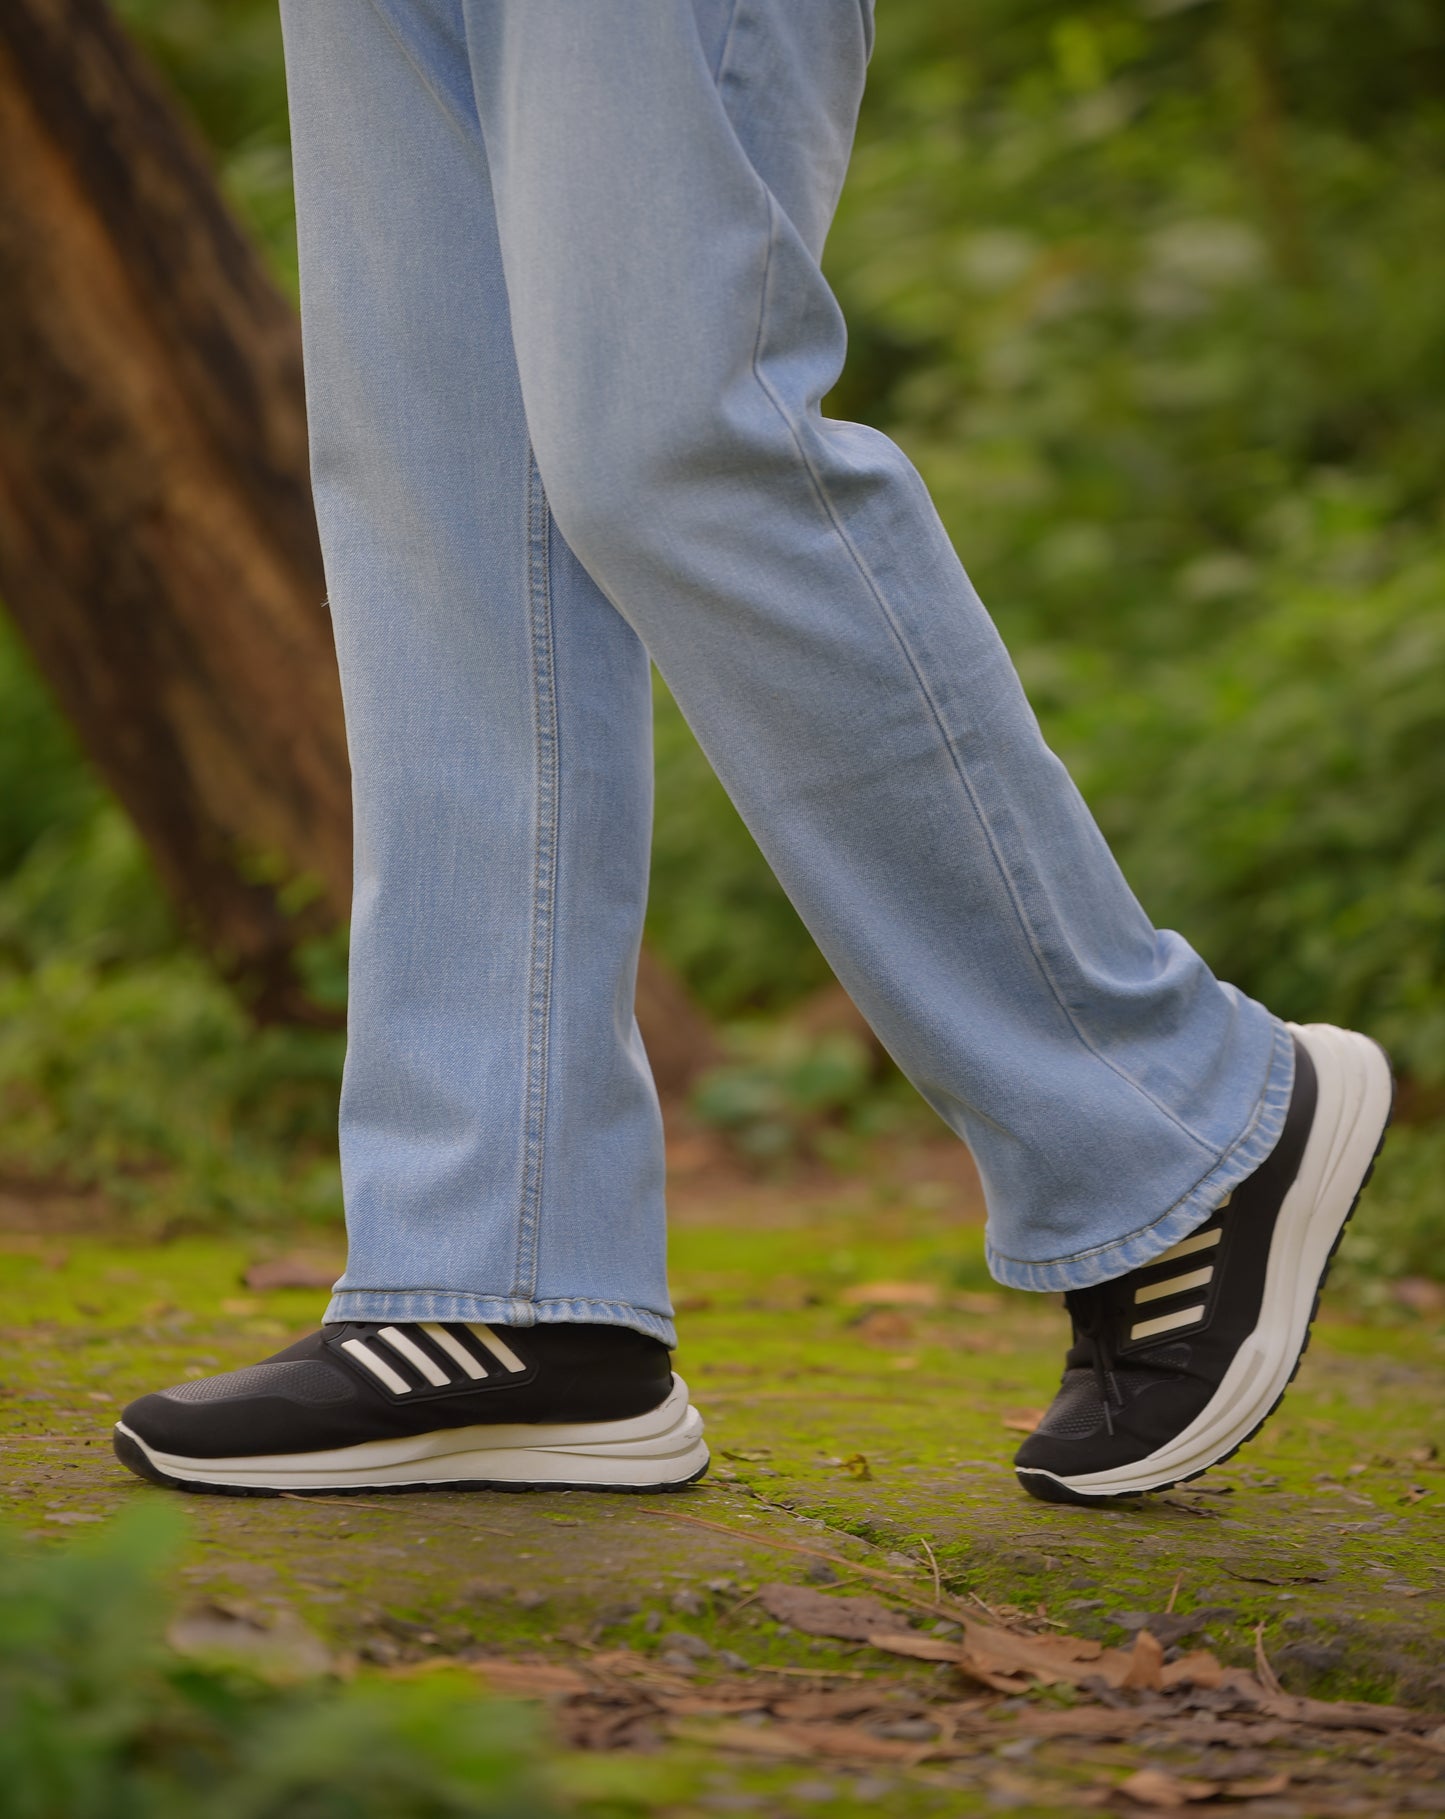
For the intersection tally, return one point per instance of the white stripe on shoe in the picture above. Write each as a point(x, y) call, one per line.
point(378, 1367)
point(412, 1352)
point(454, 1348)
point(499, 1348)
point(1166, 1323)
point(1173, 1285)
point(1196, 1241)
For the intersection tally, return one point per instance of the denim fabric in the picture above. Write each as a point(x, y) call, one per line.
point(566, 340)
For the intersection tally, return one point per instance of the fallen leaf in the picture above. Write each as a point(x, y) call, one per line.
point(1099, 1721)
point(1048, 1659)
point(884, 1326)
point(1198, 1668)
point(916, 1646)
point(1152, 1787)
point(292, 1272)
point(847, 1702)
point(817, 1614)
point(894, 1294)
point(808, 1741)
point(1007, 1660)
point(1145, 1664)
point(710, 1705)
point(856, 1466)
point(529, 1679)
point(1260, 1787)
point(1024, 1420)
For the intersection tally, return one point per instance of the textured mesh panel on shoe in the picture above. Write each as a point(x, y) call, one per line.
point(1076, 1412)
point(296, 1379)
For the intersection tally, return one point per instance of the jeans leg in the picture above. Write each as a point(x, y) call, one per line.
point(789, 575)
point(500, 1138)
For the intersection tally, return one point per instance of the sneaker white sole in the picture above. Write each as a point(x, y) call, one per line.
point(660, 1450)
point(1351, 1114)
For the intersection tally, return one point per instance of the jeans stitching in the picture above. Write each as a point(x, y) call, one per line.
point(539, 970)
point(421, 1304)
point(466, 1294)
point(831, 513)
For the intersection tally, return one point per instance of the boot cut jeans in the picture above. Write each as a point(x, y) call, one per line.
point(566, 339)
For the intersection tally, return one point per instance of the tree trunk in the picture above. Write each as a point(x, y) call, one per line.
point(157, 544)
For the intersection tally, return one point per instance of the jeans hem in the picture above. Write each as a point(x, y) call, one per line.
point(411, 1305)
point(1101, 1263)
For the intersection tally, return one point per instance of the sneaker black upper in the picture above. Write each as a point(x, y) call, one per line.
point(1151, 1348)
point(381, 1380)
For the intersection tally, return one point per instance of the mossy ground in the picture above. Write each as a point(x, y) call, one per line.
point(872, 1430)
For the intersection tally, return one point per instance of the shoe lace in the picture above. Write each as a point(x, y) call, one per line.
point(1089, 1310)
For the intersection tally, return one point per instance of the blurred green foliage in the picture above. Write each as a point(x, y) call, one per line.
point(1150, 291)
point(124, 1062)
point(99, 1720)
point(786, 1092)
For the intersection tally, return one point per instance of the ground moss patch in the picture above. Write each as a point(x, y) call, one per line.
point(863, 1393)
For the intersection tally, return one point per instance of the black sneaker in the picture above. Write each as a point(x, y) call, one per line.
point(1176, 1365)
point(370, 1405)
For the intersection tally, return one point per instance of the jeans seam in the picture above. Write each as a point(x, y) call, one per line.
point(830, 511)
point(544, 869)
point(467, 1294)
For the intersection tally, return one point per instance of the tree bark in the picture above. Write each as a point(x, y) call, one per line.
point(158, 549)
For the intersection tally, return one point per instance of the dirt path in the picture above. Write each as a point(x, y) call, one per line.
point(862, 1383)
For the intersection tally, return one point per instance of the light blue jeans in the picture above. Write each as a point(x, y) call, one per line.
point(566, 337)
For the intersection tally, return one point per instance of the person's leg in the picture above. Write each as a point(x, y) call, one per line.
point(792, 581)
point(504, 1317)
point(501, 1146)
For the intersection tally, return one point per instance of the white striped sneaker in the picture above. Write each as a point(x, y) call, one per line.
point(1175, 1365)
point(372, 1405)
